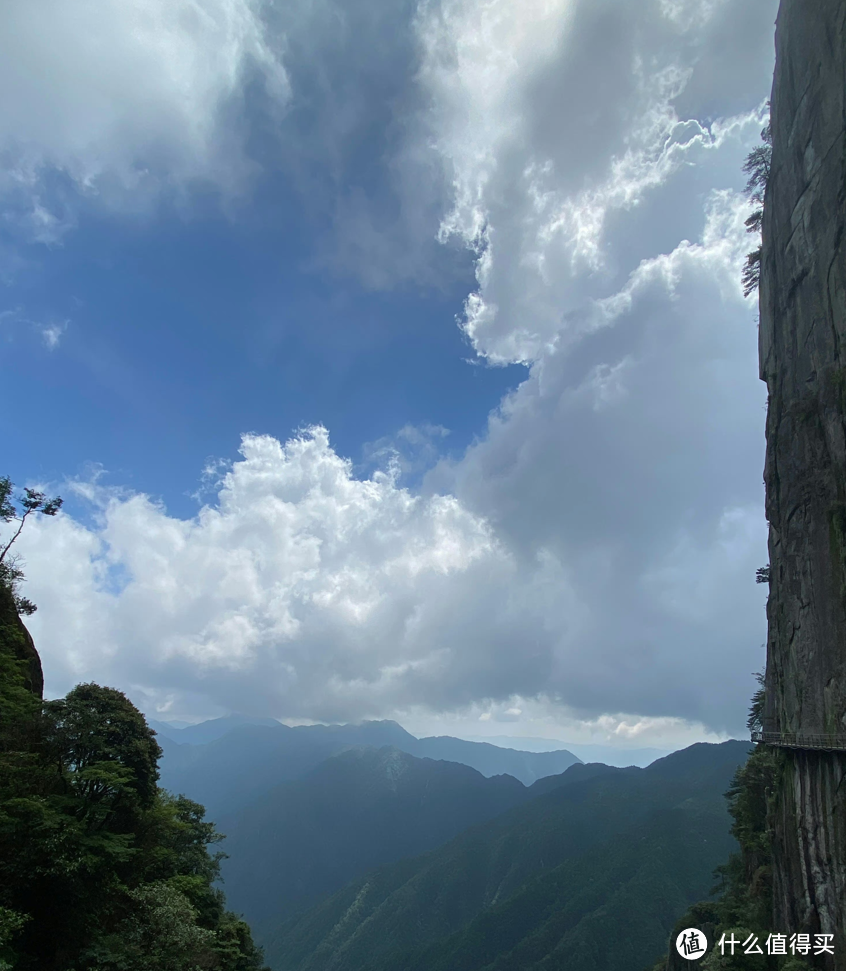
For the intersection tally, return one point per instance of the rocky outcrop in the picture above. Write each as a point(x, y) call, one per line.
point(803, 361)
point(803, 330)
point(16, 641)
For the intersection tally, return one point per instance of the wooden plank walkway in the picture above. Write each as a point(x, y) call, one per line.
point(797, 740)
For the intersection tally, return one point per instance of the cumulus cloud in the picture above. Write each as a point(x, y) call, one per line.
point(116, 99)
point(304, 591)
point(594, 552)
point(636, 461)
point(550, 118)
point(596, 158)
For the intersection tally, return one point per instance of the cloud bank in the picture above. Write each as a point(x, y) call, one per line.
point(117, 100)
point(594, 551)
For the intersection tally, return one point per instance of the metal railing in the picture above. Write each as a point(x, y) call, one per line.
point(800, 740)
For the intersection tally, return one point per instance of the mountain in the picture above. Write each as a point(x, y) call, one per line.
point(237, 767)
point(614, 852)
point(207, 731)
point(588, 752)
point(358, 810)
point(490, 760)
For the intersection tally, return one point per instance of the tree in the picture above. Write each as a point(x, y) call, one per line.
point(757, 166)
point(30, 502)
point(755, 721)
point(99, 869)
point(106, 747)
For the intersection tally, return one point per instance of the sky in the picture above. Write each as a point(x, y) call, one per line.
point(391, 358)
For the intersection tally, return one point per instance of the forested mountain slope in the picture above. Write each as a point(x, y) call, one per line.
point(358, 810)
point(540, 884)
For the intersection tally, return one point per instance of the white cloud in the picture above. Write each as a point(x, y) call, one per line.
point(307, 591)
point(635, 460)
point(592, 556)
point(116, 98)
point(541, 717)
point(52, 334)
point(551, 117)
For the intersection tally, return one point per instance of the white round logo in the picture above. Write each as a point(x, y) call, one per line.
point(692, 944)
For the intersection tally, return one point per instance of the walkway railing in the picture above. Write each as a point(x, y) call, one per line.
point(822, 743)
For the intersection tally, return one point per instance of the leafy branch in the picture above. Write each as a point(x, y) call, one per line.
point(30, 502)
point(757, 166)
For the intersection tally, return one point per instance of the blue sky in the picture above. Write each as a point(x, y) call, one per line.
point(391, 358)
point(180, 334)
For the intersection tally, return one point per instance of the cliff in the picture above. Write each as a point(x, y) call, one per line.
point(17, 644)
point(802, 335)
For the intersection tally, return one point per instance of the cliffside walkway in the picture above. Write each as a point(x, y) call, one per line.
point(822, 743)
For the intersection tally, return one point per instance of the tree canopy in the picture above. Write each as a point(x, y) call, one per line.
point(100, 869)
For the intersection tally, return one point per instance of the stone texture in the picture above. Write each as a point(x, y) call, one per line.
point(16, 639)
point(809, 826)
point(803, 361)
point(803, 329)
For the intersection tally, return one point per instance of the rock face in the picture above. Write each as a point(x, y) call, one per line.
point(15, 639)
point(803, 361)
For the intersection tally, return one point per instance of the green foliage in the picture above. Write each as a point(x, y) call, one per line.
point(108, 751)
point(160, 932)
point(99, 869)
point(751, 275)
point(755, 721)
point(11, 576)
point(31, 501)
point(757, 167)
point(745, 903)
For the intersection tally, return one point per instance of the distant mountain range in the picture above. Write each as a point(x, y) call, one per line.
point(363, 848)
point(208, 731)
point(587, 752)
point(590, 872)
point(356, 811)
point(228, 763)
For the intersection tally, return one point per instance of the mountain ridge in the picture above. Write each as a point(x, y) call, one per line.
point(357, 810)
point(379, 922)
point(235, 768)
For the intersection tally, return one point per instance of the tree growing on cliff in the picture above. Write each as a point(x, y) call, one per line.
point(755, 721)
point(30, 502)
point(757, 167)
point(100, 870)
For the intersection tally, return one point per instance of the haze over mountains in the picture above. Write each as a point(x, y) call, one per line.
point(363, 848)
point(586, 751)
point(358, 810)
point(227, 763)
point(596, 869)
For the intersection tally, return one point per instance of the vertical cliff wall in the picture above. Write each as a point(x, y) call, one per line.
point(803, 361)
point(16, 643)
